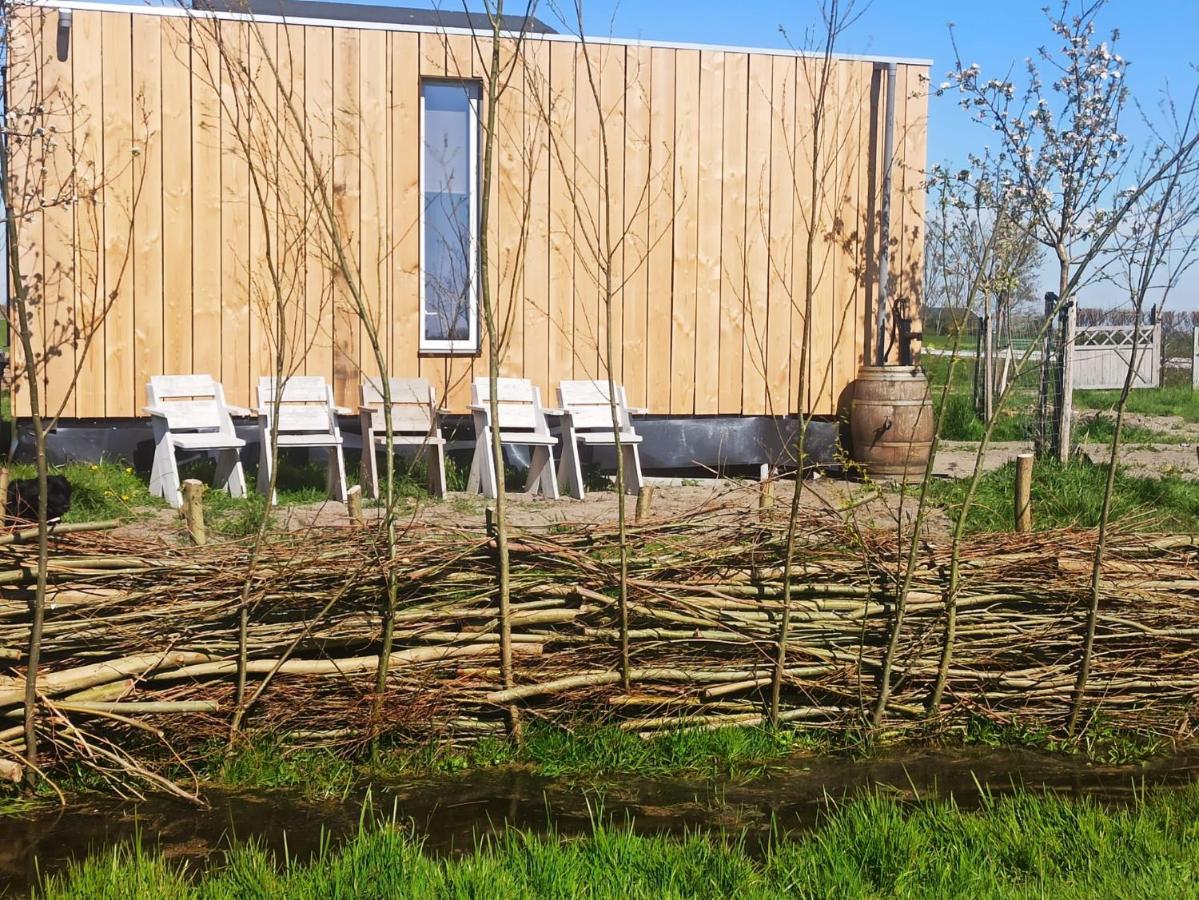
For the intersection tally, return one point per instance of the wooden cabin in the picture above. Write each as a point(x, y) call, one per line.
point(200, 149)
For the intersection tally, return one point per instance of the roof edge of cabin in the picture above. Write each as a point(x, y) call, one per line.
point(175, 11)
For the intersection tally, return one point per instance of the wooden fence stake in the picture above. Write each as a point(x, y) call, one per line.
point(765, 497)
point(3, 494)
point(354, 504)
point(645, 499)
point(1024, 492)
point(193, 510)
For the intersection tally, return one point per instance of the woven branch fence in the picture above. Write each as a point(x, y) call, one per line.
point(140, 646)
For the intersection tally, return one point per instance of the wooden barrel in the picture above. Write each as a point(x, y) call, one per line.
point(891, 422)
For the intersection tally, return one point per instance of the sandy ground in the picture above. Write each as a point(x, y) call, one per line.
point(1177, 454)
point(870, 506)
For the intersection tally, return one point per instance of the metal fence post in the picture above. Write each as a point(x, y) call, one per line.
point(1195, 357)
point(988, 362)
point(1065, 413)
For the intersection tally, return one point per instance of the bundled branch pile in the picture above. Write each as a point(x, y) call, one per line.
point(140, 644)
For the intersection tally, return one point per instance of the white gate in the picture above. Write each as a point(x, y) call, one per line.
point(1102, 354)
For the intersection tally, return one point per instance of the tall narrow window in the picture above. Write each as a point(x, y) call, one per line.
point(450, 219)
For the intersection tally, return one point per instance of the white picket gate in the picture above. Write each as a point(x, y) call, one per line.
point(1102, 354)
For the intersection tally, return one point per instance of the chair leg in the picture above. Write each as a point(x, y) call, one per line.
point(229, 473)
point(337, 474)
point(570, 466)
point(478, 463)
point(634, 481)
point(489, 482)
point(435, 469)
point(370, 466)
point(164, 475)
point(533, 476)
point(541, 479)
point(549, 483)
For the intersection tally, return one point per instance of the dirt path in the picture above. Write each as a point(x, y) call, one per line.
point(869, 506)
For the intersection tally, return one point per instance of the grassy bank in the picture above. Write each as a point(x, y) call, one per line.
point(593, 753)
point(590, 752)
point(1024, 846)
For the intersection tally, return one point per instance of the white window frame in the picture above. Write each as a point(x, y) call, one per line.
point(470, 346)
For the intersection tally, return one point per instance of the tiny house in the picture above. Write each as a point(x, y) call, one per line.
point(304, 181)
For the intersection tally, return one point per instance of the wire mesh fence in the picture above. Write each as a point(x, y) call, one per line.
point(1000, 367)
point(1008, 364)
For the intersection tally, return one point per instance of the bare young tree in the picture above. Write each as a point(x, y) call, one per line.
point(500, 73)
point(49, 180)
point(974, 234)
point(818, 195)
point(307, 239)
point(1152, 249)
point(607, 255)
point(221, 57)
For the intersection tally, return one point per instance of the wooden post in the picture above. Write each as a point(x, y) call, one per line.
point(1024, 492)
point(354, 504)
point(4, 487)
point(193, 510)
point(765, 497)
point(645, 499)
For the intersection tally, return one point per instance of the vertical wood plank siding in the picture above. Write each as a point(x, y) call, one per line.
point(710, 163)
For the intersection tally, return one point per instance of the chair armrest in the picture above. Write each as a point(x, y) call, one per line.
point(637, 410)
point(343, 410)
point(154, 411)
point(479, 407)
point(241, 411)
point(366, 410)
point(441, 411)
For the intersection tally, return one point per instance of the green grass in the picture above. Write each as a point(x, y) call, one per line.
point(589, 752)
point(268, 765)
point(1071, 495)
point(103, 490)
point(1171, 400)
point(1102, 742)
point(1101, 428)
point(113, 490)
point(957, 417)
point(1026, 845)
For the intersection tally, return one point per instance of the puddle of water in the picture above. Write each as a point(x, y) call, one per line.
point(452, 813)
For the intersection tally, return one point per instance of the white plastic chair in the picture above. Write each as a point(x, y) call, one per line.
point(307, 418)
point(587, 419)
point(188, 412)
point(415, 422)
point(522, 422)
